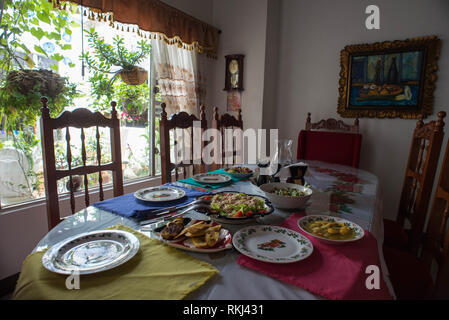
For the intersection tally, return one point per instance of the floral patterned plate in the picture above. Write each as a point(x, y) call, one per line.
point(358, 231)
point(272, 244)
point(211, 178)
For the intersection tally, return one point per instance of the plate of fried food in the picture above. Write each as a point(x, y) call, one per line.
point(196, 235)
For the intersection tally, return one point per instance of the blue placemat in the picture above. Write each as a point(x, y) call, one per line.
point(214, 185)
point(128, 206)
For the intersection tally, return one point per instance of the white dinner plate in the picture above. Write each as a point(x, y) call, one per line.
point(272, 244)
point(358, 231)
point(159, 194)
point(91, 252)
point(211, 178)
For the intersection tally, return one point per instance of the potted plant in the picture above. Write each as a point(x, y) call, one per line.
point(117, 55)
point(21, 84)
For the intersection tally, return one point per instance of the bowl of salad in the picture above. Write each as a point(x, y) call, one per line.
point(287, 195)
point(236, 207)
point(240, 172)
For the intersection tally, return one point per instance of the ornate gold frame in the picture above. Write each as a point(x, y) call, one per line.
point(431, 46)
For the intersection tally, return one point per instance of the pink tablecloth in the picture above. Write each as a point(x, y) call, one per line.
point(332, 271)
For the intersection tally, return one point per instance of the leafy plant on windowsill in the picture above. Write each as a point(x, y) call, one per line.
point(21, 87)
point(132, 101)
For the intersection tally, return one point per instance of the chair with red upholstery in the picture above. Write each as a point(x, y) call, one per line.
point(412, 276)
point(417, 187)
point(340, 144)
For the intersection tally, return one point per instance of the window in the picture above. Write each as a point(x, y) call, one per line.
point(21, 166)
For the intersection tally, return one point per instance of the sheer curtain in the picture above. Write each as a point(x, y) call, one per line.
point(180, 77)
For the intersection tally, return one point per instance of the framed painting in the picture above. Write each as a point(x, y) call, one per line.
point(388, 79)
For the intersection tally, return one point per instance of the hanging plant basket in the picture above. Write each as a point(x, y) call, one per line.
point(135, 76)
point(50, 84)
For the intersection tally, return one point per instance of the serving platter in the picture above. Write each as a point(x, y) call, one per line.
point(215, 216)
point(159, 194)
point(211, 178)
point(358, 230)
point(185, 243)
point(91, 252)
point(272, 244)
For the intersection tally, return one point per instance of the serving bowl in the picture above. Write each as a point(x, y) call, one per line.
point(286, 202)
point(240, 175)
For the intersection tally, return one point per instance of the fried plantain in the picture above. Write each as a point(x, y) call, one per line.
point(172, 229)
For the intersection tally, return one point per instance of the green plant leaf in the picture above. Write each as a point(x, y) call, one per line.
point(37, 32)
point(40, 50)
point(54, 36)
point(58, 57)
point(43, 16)
point(74, 24)
point(66, 46)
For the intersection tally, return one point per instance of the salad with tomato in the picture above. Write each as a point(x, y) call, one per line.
point(237, 205)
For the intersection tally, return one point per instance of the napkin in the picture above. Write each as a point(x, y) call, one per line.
point(128, 206)
point(157, 271)
point(332, 271)
point(213, 185)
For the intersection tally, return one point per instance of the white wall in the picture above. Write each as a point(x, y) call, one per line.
point(243, 25)
point(312, 35)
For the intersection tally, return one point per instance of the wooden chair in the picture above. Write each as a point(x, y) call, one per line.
point(80, 118)
point(229, 123)
point(334, 142)
point(178, 123)
point(417, 188)
point(412, 277)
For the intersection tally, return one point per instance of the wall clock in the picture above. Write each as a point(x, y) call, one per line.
point(234, 72)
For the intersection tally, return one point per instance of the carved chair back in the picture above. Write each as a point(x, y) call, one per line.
point(419, 177)
point(79, 118)
point(332, 124)
point(229, 142)
point(180, 132)
point(331, 141)
point(436, 243)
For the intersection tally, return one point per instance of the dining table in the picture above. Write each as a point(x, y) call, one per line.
point(339, 191)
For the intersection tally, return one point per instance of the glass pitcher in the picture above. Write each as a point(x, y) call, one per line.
point(283, 156)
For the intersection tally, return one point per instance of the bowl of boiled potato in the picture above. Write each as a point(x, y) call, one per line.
point(332, 230)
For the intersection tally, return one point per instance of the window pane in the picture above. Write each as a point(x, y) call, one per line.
point(21, 167)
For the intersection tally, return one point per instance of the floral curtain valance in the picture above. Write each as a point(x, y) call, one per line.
point(159, 18)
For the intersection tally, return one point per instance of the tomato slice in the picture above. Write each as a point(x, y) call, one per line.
point(262, 211)
point(238, 214)
point(249, 213)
